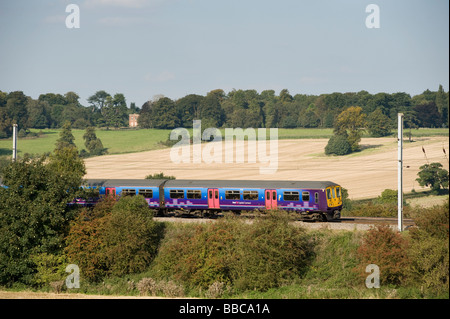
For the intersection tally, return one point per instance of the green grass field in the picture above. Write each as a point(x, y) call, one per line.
point(130, 141)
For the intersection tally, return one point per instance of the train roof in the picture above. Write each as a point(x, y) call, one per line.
point(249, 184)
point(125, 182)
point(209, 183)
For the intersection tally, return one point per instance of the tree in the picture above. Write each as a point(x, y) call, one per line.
point(34, 215)
point(378, 124)
point(164, 114)
point(145, 116)
point(210, 108)
point(442, 104)
point(66, 138)
point(93, 144)
point(350, 122)
point(188, 109)
point(338, 145)
point(428, 114)
point(16, 106)
point(98, 100)
point(115, 111)
point(37, 112)
point(433, 175)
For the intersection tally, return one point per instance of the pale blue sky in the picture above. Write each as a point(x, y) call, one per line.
point(176, 47)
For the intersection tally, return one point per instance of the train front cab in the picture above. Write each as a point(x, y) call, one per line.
point(334, 202)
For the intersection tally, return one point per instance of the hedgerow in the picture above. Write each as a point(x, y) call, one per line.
point(265, 254)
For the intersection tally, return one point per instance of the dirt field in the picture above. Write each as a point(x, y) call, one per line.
point(365, 174)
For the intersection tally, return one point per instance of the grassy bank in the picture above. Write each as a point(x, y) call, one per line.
point(270, 258)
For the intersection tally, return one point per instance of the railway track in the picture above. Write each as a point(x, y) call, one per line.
point(345, 223)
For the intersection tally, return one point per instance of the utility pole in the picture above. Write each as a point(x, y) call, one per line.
point(14, 154)
point(400, 172)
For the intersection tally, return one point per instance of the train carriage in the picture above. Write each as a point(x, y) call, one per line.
point(318, 200)
point(151, 190)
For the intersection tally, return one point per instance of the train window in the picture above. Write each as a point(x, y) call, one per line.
point(291, 196)
point(194, 193)
point(232, 195)
point(128, 192)
point(210, 194)
point(334, 194)
point(338, 192)
point(147, 193)
point(216, 192)
point(316, 197)
point(305, 196)
point(328, 193)
point(251, 195)
point(176, 193)
point(274, 195)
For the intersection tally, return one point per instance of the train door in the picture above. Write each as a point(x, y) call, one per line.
point(213, 198)
point(271, 199)
point(110, 191)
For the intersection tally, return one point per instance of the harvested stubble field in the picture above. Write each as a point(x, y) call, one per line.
point(365, 174)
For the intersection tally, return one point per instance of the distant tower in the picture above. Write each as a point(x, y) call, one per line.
point(133, 120)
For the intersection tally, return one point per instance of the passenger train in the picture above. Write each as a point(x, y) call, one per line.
point(315, 200)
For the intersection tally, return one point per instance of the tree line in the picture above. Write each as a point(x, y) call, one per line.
point(237, 108)
point(54, 110)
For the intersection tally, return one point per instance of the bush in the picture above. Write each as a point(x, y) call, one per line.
point(334, 259)
point(388, 196)
point(147, 286)
point(114, 238)
point(271, 253)
point(388, 250)
point(429, 252)
point(338, 145)
point(429, 257)
point(266, 254)
point(49, 268)
point(434, 221)
point(197, 256)
point(84, 243)
point(130, 236)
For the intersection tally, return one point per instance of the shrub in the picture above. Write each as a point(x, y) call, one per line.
point(130, 236)
point(159, 176)
point(429, 257)
point(216, 290)
point(197, 256)
point(338, 145)
point(429, 251)
point(334, 258)
point(84, 243)
point(388, 196)
point(265, 254)
point(271, 253)
point(49, 268)
point(147, 286)
point(388, 250)
point(114, 238)
point(434, 220)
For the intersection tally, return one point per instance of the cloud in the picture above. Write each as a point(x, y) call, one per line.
point(163, 76)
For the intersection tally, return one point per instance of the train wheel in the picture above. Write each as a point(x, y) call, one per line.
point(337, 215)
